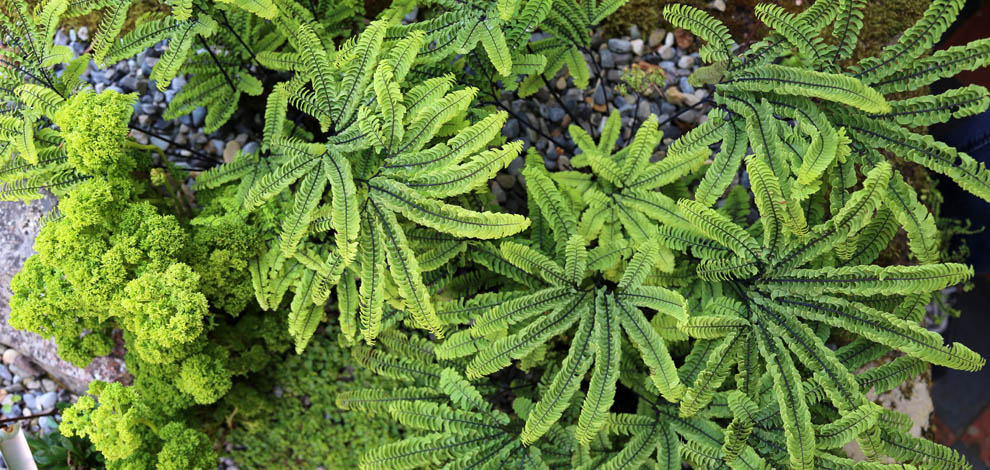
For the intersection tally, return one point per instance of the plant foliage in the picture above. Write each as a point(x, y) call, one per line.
point(719, 304)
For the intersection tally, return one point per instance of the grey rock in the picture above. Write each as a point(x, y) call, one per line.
point(250, 147)
point(666, 52)
point(47, 424)
point(606, 58)
point(656, 38)
point(505, 180)
point(218, 146)
point(516, 166)
point(686, 62)
point(643, 110)
point(511, 129)
point(667, 108)
point(48, 385)
point(621, 46)
point(129, 83)
point(15, 410)
point(549, 163)
point(628, 109)
point(83, 33)
point(148, 108)
point(498, 192)
point(198, 115)
point(685, 86)
point(599, 95)
point(690, 116)
point(147, 65)
point(5, 374)
point(638, 46)
point(160, 143)
point(614, 75)
point(671, 132)
point(623, 59)
point(30, 400)
point(556, 114)
point(669, 40)
point(61, 38)
point(46, 401)
point(634, 32)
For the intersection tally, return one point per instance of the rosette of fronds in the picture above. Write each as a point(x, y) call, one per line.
point(390, 149)
point(594, 297)
point(767, 296)
point(804, 118)
point(618, 200)
point(449, 418)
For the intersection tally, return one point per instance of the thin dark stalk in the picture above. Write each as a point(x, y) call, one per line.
point(230, 28)
point(217, 62)
point(51, 412)
point(529, 125)
point(201, 155)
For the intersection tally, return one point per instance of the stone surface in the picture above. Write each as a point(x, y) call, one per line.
point(17, 232)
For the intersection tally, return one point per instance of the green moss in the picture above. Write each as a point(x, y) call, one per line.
point(303, 429)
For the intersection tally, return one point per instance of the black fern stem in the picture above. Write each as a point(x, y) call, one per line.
point(217, 62)
point(201, 156)
point(230, 28)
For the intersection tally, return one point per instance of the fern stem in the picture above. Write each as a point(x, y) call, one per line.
point(217, 62)
point(202, 156)
point(226, 24)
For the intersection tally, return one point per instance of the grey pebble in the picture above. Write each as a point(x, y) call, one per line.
point(46, 401)
point(620, 46)
point(606, 58)
point(685, 86)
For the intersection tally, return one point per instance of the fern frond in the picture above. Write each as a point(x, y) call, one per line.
point(719, 42)
point(800, 82)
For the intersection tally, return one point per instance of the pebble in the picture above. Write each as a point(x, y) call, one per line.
point(505, 180)
point(250, 147)
point(83, 34)
point(634, 32)
point(159, 142)
point(685, 62)
point(620, 46)
point(669, 40)
point(198, 115)
point(516, 166)
point(511, 129)
point(675, 97)
point(685, 86)
point(9, 356)
point(637, 46)
point(5, 374)
point(606, 59)
point(599, 95)
point(643, 110)
point(30, 400)
point(718, 5)
point(656, 38)
point(666, 52)
point(46, 401)
point(498, 192)
point(48, 385)
point(230, 151)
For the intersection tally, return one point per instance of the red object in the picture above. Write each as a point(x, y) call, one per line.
point(974, 28)
point(977, 435)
